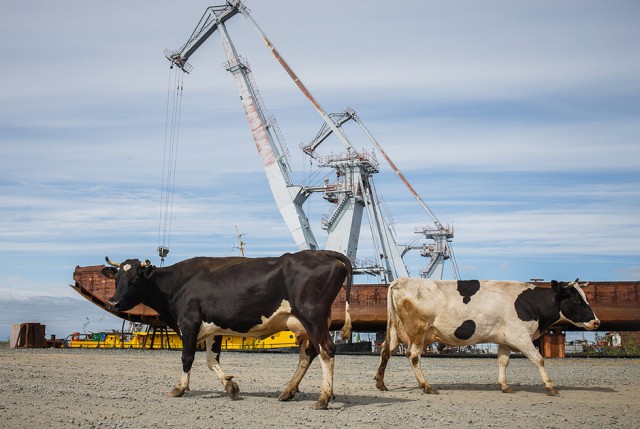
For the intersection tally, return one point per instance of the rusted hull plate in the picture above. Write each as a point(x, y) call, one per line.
point(617, 304)
point(368, 308)
point(90, 283)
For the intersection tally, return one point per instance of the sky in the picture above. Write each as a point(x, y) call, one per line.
point(517, 122)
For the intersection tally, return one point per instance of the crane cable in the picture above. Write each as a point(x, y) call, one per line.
point(169, 162)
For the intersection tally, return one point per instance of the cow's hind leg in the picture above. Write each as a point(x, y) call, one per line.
point(413, 353)
point(503, 363)
point(389, 345)
point(327, 359)
point(214, 345)
point(307, 354)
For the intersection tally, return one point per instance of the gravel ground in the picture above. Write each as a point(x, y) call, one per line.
point(61, 388)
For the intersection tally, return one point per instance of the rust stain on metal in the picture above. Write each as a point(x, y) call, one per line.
point(259, 134)
point(292, 74)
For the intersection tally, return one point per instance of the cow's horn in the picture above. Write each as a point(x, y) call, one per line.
point(146, 263)
point(573, 283)
point(110, 262)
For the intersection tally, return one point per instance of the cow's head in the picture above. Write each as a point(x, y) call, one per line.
point(573, 304)
point(131, 283)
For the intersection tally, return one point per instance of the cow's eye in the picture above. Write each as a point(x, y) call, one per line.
point(135, 279)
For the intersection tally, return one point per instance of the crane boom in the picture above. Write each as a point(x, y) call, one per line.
point(208, 24)
point(289, 198)
point(396, 170)
point(323, 113)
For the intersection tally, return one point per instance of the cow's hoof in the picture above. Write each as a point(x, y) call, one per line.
point(507, 389)
point(380, 385)
point(551, 391)
point(287, 395)
point(320, 405)
point(176, 393)
point(232, 390)
point(430, 390)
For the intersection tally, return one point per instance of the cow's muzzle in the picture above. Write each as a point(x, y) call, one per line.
point(594, 324)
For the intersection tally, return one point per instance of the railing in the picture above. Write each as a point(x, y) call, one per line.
point(367, 160)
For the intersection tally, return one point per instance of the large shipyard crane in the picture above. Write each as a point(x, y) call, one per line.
point(352, 194)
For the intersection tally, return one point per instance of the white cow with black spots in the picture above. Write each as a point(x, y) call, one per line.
point(465, 312)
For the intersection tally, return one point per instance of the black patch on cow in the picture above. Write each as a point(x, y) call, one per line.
point(466, 330)
point(526, 305)
point(538, 304)
point(468, 288)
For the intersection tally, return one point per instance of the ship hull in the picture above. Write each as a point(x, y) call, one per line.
point(617, 304)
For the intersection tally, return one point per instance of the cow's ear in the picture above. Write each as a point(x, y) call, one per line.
point(148, 271)
point(109, 272)
point(560, 288)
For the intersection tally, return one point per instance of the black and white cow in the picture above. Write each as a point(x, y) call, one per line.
point(459, 313)
point(205, 298)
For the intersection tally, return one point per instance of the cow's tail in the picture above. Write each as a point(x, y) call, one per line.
point(346, 328)
point(391, 338)
point(392, 335)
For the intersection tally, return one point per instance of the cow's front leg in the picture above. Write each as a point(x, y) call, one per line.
point(413, 354)
point(327, 359)
point(307, 354)
point(214, 345)
point(530, 351)
point(503, 363)
point(189, 343)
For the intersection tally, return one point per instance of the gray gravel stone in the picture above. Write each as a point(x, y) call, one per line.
point(53, 388)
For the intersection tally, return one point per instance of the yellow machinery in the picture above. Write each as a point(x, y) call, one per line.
point(171, 340)
point(284, 339)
